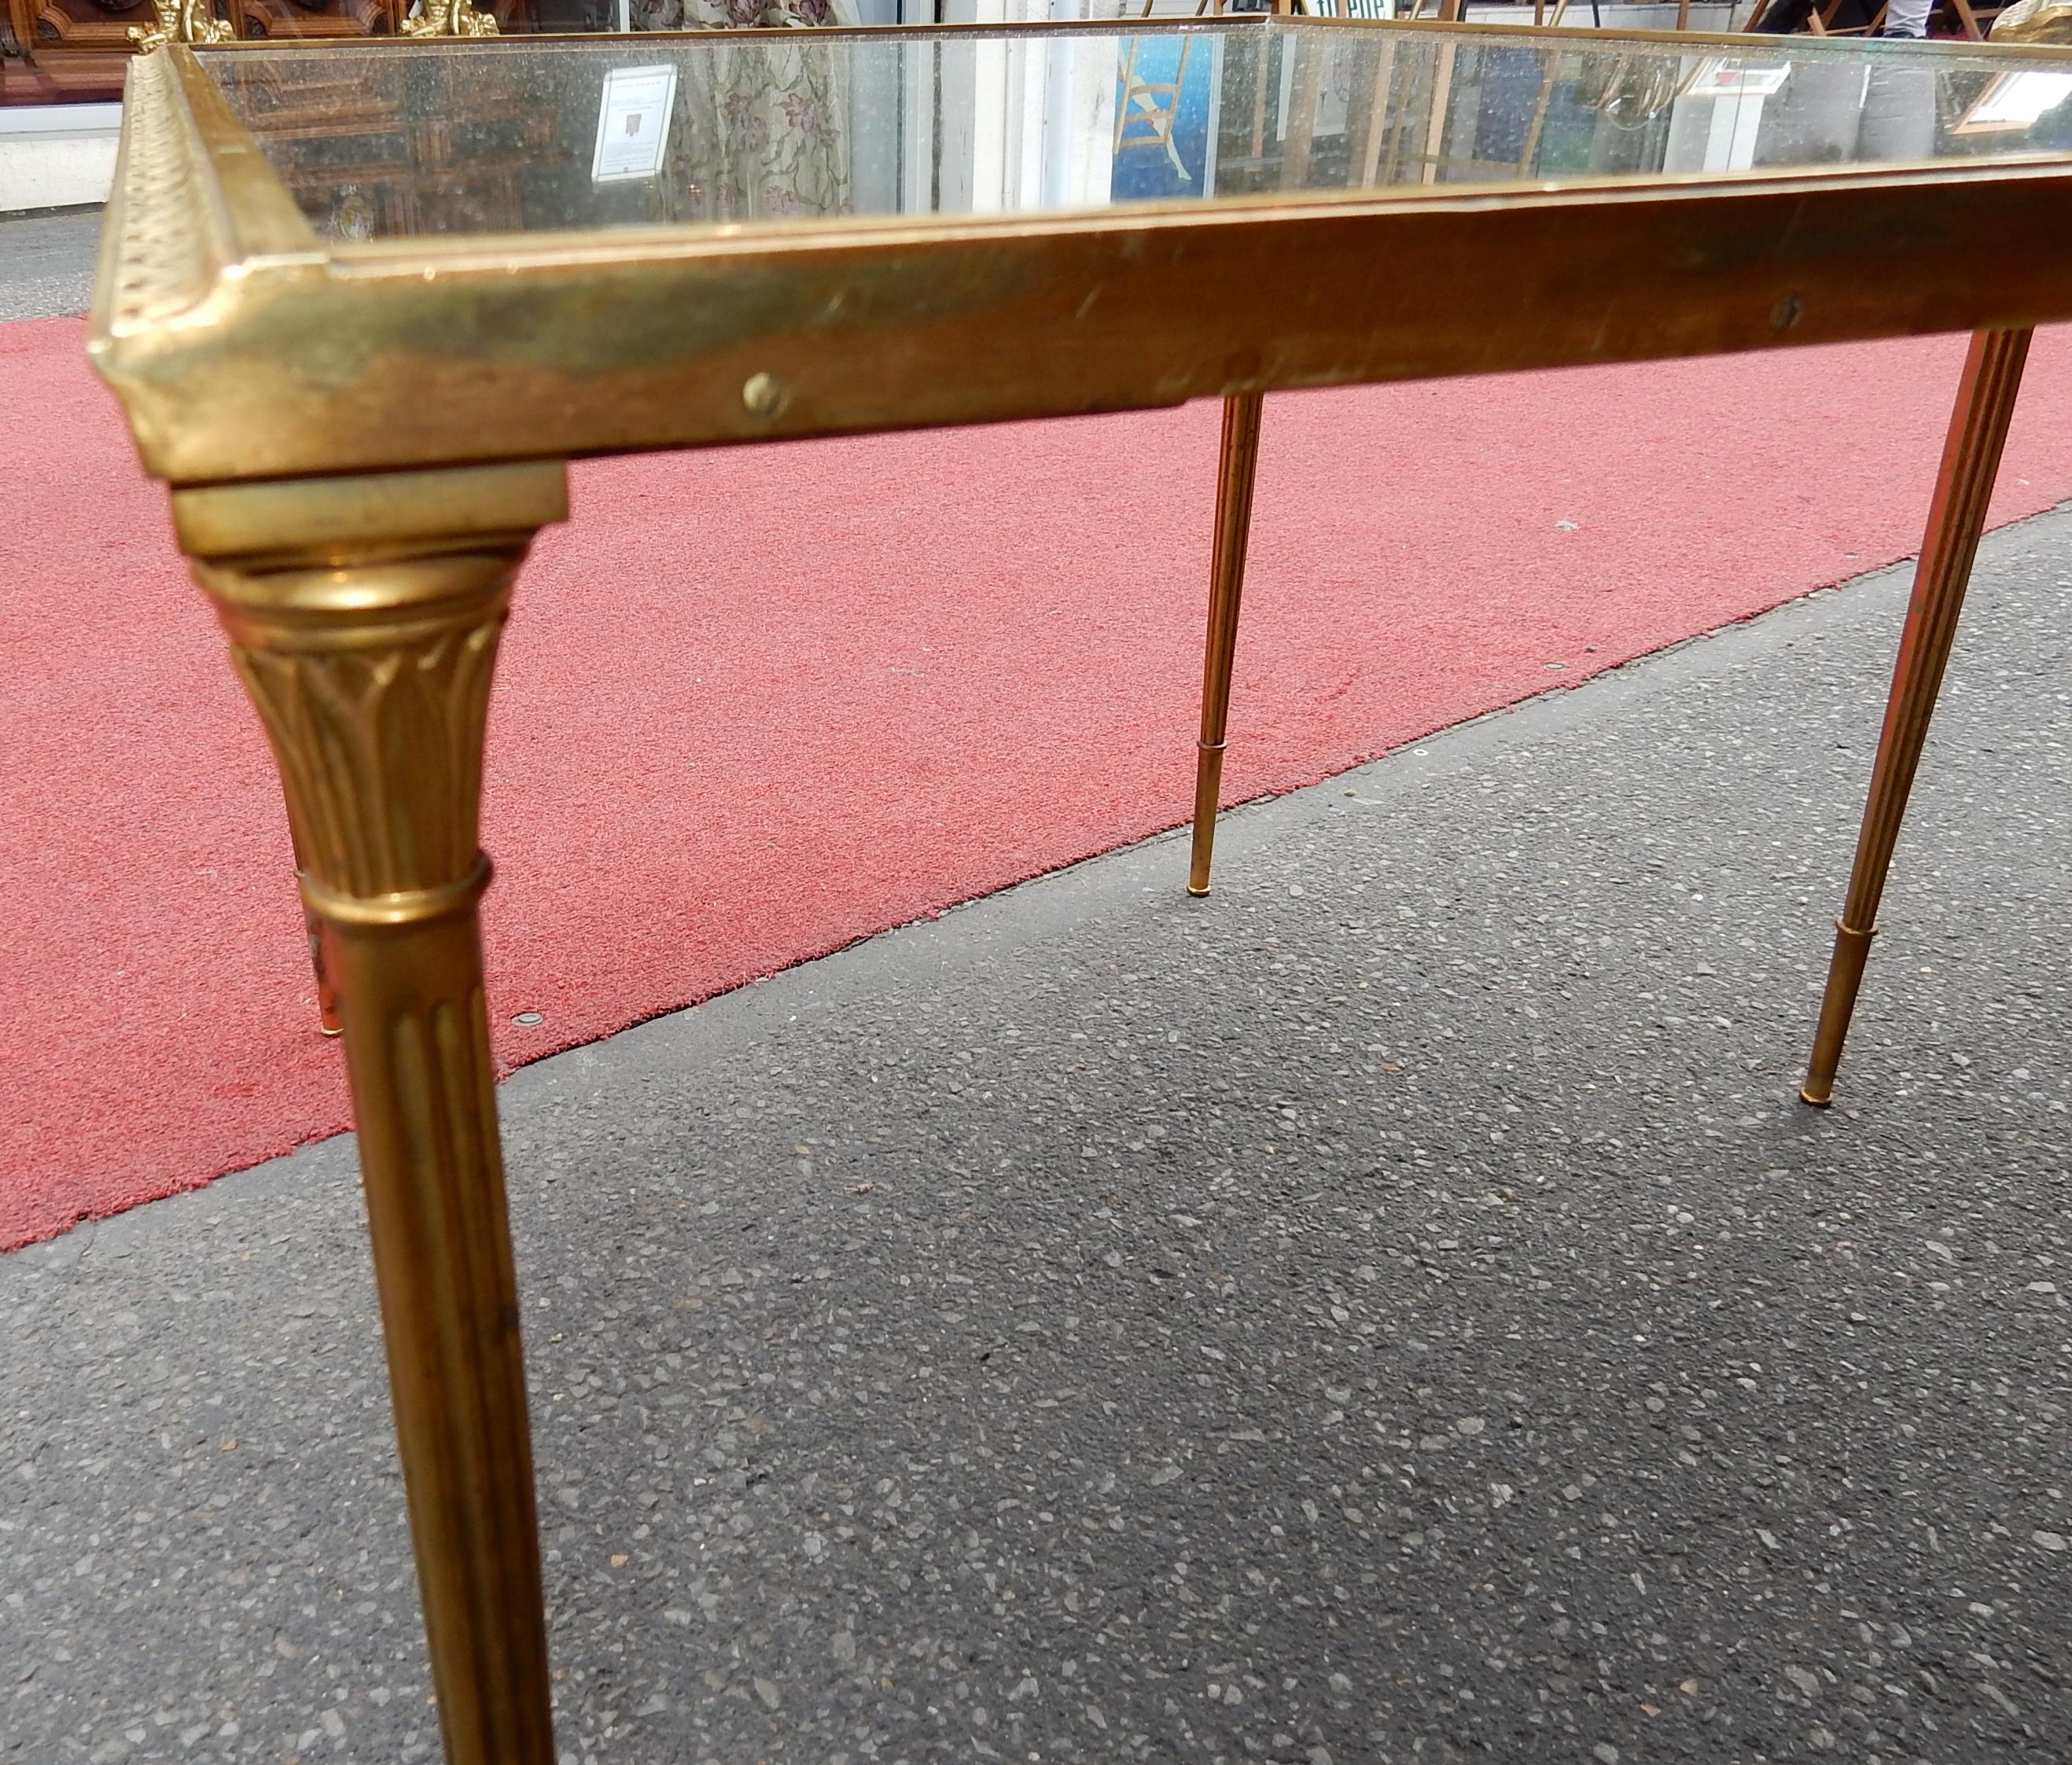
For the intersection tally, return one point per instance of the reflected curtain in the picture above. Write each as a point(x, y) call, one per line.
point(763, 126)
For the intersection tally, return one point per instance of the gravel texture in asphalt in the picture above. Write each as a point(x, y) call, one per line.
point(47, 263)
point(1393, 1309)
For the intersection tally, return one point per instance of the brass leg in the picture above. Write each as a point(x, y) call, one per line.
point(364, 615)
point(1238, 464)
point(1963, 487)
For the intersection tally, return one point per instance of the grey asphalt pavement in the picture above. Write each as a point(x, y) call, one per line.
point(1394, 1310)
point(47, 263)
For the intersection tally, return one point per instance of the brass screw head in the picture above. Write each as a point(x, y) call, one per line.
point(761, 396)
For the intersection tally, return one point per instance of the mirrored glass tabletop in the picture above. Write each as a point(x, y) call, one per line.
point(806, 126)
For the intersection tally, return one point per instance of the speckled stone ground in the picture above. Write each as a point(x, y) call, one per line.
point(47, 263)
point(1392, 1310)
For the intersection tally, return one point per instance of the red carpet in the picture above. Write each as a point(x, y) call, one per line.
point(755, 704)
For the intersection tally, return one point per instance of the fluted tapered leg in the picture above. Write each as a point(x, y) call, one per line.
point(364, 615)
point(1238, 465)
point(1956, 518)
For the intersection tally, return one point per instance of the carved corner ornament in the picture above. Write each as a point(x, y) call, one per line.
point(449, 19)
point(180, 21)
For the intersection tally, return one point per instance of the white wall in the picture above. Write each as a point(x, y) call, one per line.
point(1024, 123)
point(57, 156)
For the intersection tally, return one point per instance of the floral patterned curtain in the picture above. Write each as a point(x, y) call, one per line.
point(764, 127)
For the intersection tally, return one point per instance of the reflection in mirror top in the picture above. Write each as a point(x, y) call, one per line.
point(796, 126)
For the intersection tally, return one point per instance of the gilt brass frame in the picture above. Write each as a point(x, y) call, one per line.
point(361, 441)
point(296, 356)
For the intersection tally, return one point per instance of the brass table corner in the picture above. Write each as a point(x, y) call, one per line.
point(359, 345)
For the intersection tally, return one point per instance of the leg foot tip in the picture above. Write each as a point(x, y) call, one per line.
point(1805, 1095)
point(1197, 892)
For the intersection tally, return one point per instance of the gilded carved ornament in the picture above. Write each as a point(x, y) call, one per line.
point(450, 19)
point(2034, 21)
point(180, 21)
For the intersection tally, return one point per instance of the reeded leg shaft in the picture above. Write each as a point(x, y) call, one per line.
point(364, 615)
point(1957, 516)
point(1237, 466)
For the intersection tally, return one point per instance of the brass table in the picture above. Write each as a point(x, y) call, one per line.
point(362, 303)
